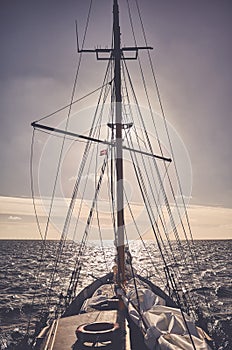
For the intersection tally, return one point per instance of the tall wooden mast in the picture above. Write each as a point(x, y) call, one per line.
point(116, 53)
point(119, 153)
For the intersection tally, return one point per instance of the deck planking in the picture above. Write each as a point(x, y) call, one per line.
point(63, 337)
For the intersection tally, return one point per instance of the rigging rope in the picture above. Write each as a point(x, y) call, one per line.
point(63, 235)
point(97, 214)
point(166, 128)
point(192, 253)
point(141, 238)
point(76, 101)
point(58, 167)
point(158, 207)
point(93, 131)
point(135, 161)
point(151, 112)
point(155, 164)
point(151, 190)
point(154, 220)
point(73, 283)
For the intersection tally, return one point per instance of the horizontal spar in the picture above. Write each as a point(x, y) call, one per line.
point(89, 138)
point(147, 154)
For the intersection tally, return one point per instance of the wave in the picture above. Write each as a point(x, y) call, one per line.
point(19, 283)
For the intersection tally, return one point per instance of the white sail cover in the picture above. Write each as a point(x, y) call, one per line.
point(164, 327)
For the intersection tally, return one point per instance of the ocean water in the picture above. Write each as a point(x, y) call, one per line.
point(25, 276)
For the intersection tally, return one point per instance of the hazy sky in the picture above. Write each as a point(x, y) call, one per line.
point(193, 55)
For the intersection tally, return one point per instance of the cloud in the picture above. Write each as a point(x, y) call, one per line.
point(72, 178)
point(206, 222)
point(14, 218)
point(183, 197)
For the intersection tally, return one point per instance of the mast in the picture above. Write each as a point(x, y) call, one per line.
point(119, 153)
point(116, 53)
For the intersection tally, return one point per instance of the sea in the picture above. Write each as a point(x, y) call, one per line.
point(25, 272)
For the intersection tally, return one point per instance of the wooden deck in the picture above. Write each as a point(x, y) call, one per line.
point(62, 333)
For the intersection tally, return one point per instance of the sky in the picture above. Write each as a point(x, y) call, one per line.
point(192, 54)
